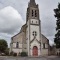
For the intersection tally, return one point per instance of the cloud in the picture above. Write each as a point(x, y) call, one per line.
point(10, 24)
point(10, 20)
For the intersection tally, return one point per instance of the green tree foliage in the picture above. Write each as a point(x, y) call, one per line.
point(7, 51)
point(23, 54)
point(3, 45)
point(57, 35)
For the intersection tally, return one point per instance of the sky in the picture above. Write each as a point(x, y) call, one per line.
point(13, 16)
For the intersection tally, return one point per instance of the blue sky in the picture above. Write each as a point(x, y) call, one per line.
point(13, 16)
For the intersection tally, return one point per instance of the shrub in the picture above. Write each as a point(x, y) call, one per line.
point(7, 52)
point(14, 54)
point(23, 54)
point(11, 53)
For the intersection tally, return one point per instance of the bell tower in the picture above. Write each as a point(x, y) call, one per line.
point(32, 10)
point(33, 29)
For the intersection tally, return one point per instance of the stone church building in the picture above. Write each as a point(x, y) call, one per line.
point(30, 39)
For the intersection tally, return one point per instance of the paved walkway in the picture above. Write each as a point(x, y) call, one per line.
point(30, 58)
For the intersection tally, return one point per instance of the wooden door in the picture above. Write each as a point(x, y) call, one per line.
point(35, 51)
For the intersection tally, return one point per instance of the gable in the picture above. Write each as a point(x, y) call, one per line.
point(34, 39)
point(44, 39)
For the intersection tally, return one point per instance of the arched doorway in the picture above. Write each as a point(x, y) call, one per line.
point(35, 51)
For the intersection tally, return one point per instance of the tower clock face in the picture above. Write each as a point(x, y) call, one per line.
point(34, 33)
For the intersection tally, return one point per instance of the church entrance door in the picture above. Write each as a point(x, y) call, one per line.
point(35, 51)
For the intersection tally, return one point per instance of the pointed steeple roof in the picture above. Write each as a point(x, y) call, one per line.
point(32, 3)
point(32, 10)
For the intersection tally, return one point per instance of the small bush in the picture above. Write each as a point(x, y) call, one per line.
point(7, 53)
point(11, 53)
point(23, 54)
point(14, 54)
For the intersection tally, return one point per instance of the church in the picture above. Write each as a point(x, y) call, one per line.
point(30, 39)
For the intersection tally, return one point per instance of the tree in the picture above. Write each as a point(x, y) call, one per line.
point(57, 35)
point(3, 45)
point(7, 51)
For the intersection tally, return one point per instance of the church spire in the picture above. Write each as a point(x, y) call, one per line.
point(32, 10)
point(32, 0)
point(32, 3)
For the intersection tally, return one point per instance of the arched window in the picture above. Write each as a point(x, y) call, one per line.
point(43, 45)
point(32, 12)
point(35, 13)
point(17, 45)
